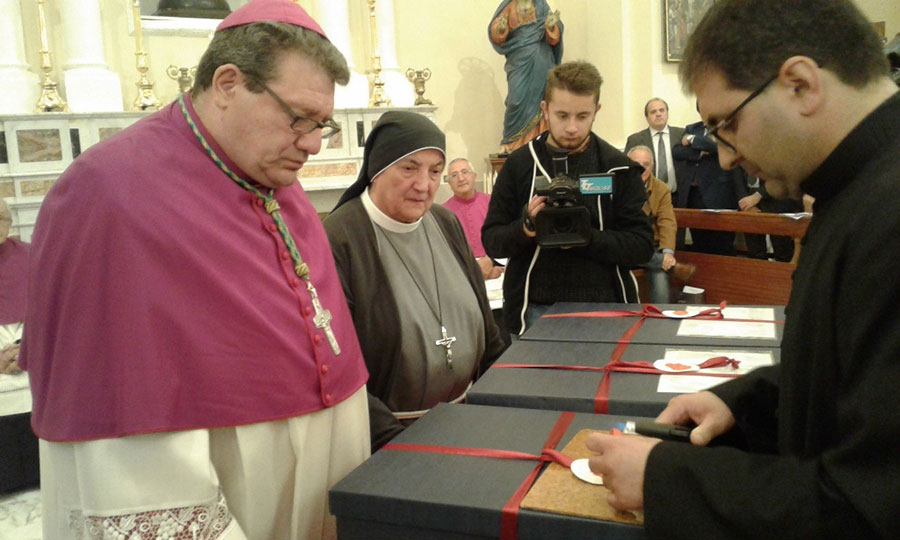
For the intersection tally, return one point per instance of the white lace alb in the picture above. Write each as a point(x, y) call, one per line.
point(203, 522)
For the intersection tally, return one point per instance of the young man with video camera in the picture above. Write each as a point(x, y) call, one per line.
point(619, 235)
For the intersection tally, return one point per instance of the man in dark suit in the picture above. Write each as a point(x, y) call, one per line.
point(659, 135)
point(703, 184)
point(753, 197)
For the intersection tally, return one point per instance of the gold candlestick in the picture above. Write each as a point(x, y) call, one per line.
point(183, 76)
point(377, 98)
point(50, 100)
point(145, 99)
point(418, 78)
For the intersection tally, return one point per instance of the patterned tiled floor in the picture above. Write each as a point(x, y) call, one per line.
point(20, 515)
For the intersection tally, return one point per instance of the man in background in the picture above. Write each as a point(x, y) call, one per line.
point(753, 197)
point(470, 206)
point(659, 137)
point(13, 279)
point(659, 209)
point(705, 184)
point(620, 236)
point(19, 467)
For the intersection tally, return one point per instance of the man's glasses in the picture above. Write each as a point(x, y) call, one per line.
point(459, 174)
point(714, 131)
point(300, 124)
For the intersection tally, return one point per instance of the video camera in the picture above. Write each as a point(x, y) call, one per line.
point(565, 221)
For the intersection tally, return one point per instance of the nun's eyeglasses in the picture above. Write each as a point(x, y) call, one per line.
point(300, 124)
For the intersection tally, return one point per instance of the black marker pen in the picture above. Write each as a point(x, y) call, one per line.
point(666, 432)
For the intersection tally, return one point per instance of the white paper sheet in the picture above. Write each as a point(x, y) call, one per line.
point(731, 329)
point(682, 384)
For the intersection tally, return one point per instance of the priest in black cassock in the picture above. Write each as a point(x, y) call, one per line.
point(413, 286)
point(806, 448)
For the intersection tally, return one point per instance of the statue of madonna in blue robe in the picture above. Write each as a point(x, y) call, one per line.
point(519, 31)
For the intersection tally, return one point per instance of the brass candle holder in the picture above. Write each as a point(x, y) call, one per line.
point(183, 76)
point(377, 98)
point(145, 99)
point(50, 100)
point(418, 78)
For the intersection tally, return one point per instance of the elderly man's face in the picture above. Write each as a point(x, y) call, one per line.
point(258, 136)
point(405, 190)
point(462, 179)
point(644, 159)
point(657, 114)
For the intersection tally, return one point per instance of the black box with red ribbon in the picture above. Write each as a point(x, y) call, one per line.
point(664, 324)
point(603, 377)
point(460, 472)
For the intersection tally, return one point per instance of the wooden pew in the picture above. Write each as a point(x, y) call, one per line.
point(741, 280)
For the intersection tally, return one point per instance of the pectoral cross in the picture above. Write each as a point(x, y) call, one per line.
point(322, 319)
point(447, 342)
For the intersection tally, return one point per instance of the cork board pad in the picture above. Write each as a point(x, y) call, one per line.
point(558, 491)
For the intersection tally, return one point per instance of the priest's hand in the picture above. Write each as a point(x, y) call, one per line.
point(621, 461)
point(711, 415)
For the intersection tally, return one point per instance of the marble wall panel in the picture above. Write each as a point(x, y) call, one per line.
point(107, 132)
point(327, 170)
point(35, 188)
point(36, 145)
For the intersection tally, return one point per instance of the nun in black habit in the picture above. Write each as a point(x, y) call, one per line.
point(414, 289)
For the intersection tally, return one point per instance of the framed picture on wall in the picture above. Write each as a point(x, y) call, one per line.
point(170, 18)
point(682, 16)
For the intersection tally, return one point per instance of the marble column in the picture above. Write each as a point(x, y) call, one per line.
point(21, 87)
point(397, 86)
point(90, 85)
point(334, 17)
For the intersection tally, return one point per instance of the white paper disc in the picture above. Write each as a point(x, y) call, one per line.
point(581, 469)
point(679, 313)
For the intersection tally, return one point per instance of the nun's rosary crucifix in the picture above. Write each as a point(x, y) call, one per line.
point(445, 340)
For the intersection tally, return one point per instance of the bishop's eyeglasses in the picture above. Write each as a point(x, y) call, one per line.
point(300, 124)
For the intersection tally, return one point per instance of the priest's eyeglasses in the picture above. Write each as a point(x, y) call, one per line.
point(300, 124)
point(714, 131)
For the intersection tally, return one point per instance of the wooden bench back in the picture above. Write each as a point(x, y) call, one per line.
point(741, 280)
